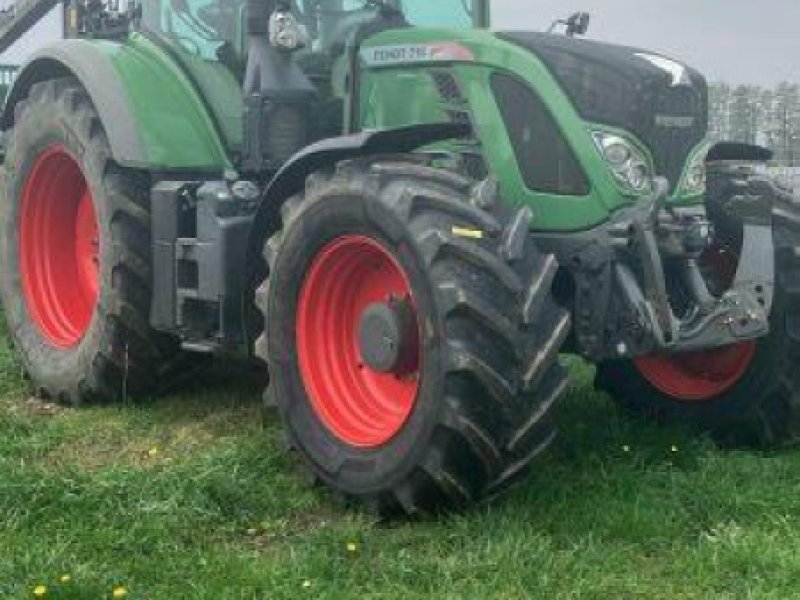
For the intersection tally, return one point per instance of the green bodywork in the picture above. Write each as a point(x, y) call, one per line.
point(176, 127)
point(188, 111)
point(401, 91)
point(155, 115)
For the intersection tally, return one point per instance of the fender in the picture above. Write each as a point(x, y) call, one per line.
point(291, 178)
point(153, 116)
point(735, 151)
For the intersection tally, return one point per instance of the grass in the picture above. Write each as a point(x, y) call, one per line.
point(192, 496)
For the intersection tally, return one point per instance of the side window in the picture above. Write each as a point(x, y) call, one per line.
point(200, 27)
point(440, 13)
point(545, 158)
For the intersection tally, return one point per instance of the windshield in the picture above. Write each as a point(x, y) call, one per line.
point(207, 28)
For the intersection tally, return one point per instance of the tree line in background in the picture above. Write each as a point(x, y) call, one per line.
point(757, 115)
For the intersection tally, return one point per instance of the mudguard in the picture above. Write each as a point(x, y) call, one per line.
point(291, 178)
point(152, 114)
point(735, 151)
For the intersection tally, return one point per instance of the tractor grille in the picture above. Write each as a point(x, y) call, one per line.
point(615, 85)
point(665, 128)
point(457, 108)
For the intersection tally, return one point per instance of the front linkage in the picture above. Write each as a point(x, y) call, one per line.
point(716, 345)
point(641, 281)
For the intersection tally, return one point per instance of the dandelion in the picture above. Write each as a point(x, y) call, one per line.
point(119, 591)
point(65, 579)
point(40, 591)
point(352, 547)
point(152, 453)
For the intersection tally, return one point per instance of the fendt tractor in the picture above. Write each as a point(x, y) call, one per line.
point(408, 217)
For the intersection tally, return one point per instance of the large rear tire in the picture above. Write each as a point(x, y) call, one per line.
point(76, 279)
point(453, 398)
point(748, 394)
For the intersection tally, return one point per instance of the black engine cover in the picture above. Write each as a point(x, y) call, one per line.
point(661, 101)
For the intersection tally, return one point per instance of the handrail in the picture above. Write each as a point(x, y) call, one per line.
point(18, 18)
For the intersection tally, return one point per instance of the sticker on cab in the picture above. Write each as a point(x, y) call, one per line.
point(386, 56)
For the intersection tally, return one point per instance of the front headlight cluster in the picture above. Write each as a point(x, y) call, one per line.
point(628, 164)
point(694, 183)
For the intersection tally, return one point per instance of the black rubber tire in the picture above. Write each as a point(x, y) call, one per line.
point(119, 355)
point(763, 408)
point(491, 375)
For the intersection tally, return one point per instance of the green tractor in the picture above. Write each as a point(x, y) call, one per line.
point(407, 217)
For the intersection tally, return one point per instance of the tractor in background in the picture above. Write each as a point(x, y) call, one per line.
point(407, 217)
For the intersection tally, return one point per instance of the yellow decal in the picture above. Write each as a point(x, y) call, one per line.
point(465, 232)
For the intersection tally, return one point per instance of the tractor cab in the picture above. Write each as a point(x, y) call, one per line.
point(277, 50)
point(207, 28)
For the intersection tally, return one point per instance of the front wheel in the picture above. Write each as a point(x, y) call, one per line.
point(414, 364)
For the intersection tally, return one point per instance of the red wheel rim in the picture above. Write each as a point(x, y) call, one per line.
point(702, 376)
point(59, 248)
point(362, 407)
point(698, 376)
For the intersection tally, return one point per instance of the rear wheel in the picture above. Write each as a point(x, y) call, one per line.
point(742, 394)
point(412, 339)
point(76, 254)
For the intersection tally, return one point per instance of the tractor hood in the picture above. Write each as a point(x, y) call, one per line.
point(663, 102)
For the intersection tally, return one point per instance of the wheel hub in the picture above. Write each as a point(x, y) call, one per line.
point(387, 336)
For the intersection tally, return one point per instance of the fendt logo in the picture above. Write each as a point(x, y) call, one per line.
point(678, 72)
point(382, 56)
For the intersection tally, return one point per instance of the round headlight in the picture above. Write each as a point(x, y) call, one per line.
point(617, 154)
point(627, 163)
point(696, 178)
point(638, 176)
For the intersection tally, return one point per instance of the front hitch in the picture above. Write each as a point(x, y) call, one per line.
point(642, 285)
point(738, 314)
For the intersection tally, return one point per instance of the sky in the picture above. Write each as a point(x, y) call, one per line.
point(739, 41)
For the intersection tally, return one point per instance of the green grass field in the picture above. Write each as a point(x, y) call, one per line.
point(191, 496)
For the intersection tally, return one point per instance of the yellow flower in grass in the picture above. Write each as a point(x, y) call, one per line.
point(119, 591)
point(352, 547)
point(65, 578)
point(40, 591)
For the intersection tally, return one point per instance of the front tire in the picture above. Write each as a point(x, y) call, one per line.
point(454, 410)
point(76, 282)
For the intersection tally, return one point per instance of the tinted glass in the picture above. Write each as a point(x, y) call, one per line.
point(545, 159)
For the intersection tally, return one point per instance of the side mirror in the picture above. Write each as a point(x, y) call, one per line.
point(578, 24)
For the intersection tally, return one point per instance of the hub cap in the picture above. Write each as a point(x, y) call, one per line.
point(358, 341)
point(59, 248)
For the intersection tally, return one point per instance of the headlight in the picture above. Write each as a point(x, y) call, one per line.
point(627, 163)
point(695, 181)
